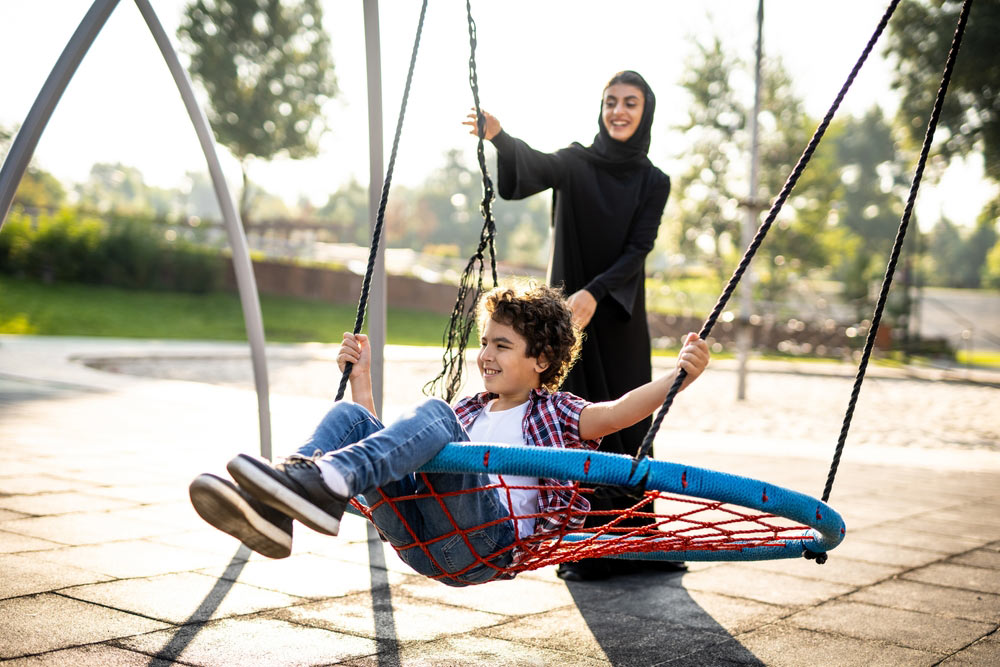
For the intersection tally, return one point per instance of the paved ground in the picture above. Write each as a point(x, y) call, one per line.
point(103, 561)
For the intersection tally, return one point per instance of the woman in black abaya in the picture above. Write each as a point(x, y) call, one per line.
point(607, 200)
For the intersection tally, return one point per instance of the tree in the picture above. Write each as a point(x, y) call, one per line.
point(961, 259)
point(944, 248)
point(799, 243)
point(991, 268)
point(709, 213)
point(347, 212)
point(38, 188)
point(716, 180)
point(114, 187)
point(266, 67)
point(6, 137)
point(873, 179)
point(919, 38)
point(977, 247)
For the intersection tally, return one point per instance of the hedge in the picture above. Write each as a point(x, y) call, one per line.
point(67, 246)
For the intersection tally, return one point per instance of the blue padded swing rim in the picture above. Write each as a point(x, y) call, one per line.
point(827, 526)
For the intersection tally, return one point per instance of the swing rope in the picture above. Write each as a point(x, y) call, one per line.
point(893, 259)
point(898, 243)
point(380, 215)
point(470, 286)
point(793, 178)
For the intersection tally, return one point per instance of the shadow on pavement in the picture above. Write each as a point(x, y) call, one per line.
point(193, 625)
point(15, 390)
point(650, 619)
point(385, 620)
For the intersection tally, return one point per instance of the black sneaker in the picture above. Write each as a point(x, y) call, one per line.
point(232, 510)
point(294, 487)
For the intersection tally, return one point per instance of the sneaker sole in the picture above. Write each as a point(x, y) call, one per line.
point(222, 507)
point(256, 477)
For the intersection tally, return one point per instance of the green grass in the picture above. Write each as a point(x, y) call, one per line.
point(987, 358)
point(29, 307)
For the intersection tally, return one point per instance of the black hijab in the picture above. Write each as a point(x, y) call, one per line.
point(622, 156)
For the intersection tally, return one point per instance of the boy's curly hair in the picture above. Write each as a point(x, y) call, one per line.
point(538, 313)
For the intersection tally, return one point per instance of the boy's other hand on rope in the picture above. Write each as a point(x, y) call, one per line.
point(600, 419)
point(491, 124)
point(693, 357)
point(356, 350)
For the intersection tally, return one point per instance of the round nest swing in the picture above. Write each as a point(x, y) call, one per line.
point(679, 512)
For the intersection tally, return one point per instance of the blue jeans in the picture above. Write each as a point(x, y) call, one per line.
point(374, 458)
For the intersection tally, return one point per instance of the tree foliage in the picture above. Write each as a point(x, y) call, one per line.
point(991, 268)
point(919, 39)
point(346, 211)
point(122, 189)
point(716, 181)
point(72, 246)
point(443, 213)
point(267, 69)
point(38, 188)
point(873, 185)
point(957, 257)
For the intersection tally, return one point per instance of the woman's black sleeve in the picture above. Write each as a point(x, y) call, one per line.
point(625, 276)
point(521, 170)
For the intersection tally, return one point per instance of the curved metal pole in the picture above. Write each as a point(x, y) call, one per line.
point(245, 282)
point(38, 116)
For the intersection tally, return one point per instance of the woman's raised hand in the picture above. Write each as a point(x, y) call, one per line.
point(356, 350)
point(491, 124)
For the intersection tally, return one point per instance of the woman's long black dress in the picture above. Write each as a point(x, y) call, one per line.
point(605, 223)
point(607, 201)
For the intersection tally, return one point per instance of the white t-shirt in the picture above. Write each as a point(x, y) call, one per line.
point(506, 426)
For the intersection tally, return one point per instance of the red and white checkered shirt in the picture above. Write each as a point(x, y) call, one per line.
point(551, 420)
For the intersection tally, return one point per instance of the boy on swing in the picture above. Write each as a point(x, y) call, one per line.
point(527, 345)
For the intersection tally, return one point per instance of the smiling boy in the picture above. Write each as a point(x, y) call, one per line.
point(528, 343)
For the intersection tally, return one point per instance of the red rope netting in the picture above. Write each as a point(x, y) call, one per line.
point(657, 521)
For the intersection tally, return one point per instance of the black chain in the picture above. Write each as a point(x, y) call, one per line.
point(470, 286)
point(380, 216)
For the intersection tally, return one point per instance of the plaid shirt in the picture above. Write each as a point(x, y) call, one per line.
point(551, 420)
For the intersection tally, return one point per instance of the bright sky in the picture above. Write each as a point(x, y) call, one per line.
point(541, 67)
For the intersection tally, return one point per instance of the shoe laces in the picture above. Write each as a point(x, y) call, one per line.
point(300, 461)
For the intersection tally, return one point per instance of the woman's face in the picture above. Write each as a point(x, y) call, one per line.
point(623, 105)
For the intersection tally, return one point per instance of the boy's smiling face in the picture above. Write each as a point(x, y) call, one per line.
point(505, 368)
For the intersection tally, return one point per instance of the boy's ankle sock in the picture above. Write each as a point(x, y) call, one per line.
point(333, 479)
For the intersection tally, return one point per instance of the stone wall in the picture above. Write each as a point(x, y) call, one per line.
point(343, 287)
